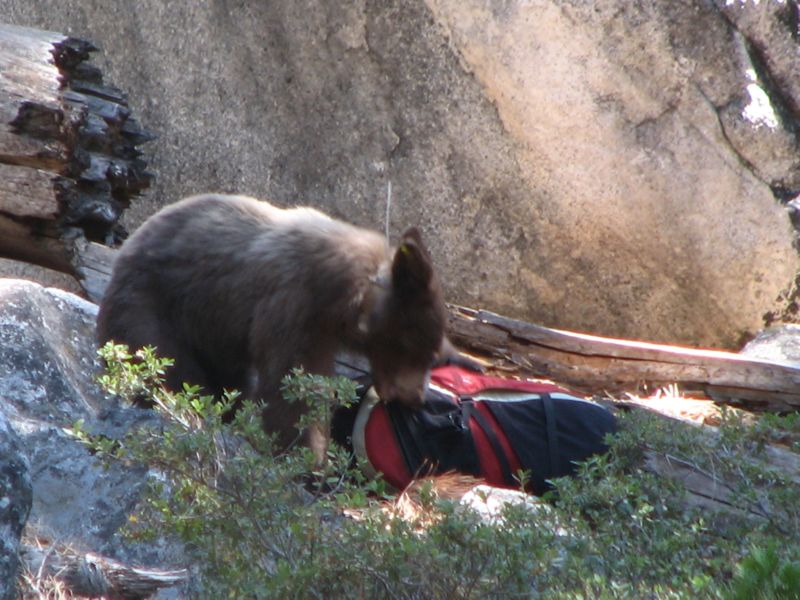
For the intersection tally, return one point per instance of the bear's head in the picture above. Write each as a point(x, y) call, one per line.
point(405, 323)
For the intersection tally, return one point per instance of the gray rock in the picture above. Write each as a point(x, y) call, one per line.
point(767, 32)
point(610, 166)
point(15, 504)
point(48, 364)
point(778, 344)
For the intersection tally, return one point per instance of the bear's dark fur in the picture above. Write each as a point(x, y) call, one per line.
point(238, 292)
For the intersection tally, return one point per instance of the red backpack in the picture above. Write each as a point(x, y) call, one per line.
point(488, 427)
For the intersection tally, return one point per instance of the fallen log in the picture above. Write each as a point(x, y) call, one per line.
point(69, 163)
point(594, 364)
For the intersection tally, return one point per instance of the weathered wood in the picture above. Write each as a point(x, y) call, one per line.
point(94, 263)
point(93, 576)
point(19, 241)
point(31, 152)
point(26, 192)
point(592, 363)
point(69, 164)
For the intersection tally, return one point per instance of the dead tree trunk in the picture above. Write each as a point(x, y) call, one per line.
point(69, 164)
point(594, 364)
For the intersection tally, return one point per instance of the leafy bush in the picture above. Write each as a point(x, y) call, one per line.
point(764, 576)
point(262, 524)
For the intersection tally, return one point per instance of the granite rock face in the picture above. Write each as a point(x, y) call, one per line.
point(48, 368)
point(613, 167)
point(15, 504)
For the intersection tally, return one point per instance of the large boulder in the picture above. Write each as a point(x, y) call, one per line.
point(48, 365)
point(617, 167)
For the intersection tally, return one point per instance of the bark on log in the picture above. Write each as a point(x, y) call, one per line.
point(69, 163)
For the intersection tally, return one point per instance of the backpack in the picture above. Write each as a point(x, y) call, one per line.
point(480, 425)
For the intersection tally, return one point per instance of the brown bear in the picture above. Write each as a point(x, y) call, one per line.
point(239, 291)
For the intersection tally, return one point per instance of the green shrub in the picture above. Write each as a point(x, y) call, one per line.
point(763, 575)
point(267, 525)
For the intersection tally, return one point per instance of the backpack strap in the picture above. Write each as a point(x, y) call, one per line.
point(369, 402)
point(471, 411)
point(410, 440)
point(552, 431)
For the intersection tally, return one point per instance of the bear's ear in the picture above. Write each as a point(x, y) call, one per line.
point(412, 268)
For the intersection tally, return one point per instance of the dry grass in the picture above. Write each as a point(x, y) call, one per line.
point(35, 587)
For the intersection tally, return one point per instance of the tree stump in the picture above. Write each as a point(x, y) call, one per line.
point(69, 163)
